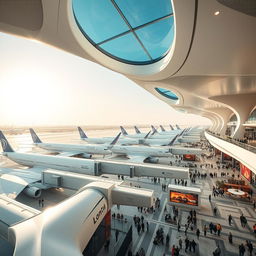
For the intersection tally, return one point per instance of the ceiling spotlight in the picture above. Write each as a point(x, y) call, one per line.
point(216, 13)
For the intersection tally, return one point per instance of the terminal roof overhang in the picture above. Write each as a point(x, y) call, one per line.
point(210, 67)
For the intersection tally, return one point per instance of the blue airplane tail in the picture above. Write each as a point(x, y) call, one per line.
point(34, 136)
point(82, 133)
point(5, 144)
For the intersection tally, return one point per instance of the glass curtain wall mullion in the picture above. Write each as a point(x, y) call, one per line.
point(129, 25)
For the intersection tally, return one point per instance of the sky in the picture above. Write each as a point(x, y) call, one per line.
point(44, 86)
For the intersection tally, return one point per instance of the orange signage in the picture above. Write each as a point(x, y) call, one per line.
point(189, 157)
point(183, 198)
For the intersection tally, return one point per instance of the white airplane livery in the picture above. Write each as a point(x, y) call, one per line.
point(142, 153)
point(121, 140)
point(71, 149)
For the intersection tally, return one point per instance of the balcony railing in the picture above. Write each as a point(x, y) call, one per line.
point(234, 141)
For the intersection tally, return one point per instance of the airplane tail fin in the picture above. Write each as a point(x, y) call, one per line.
point(34, 136)
point(137, 130)
point(115, 140)
point(162, 128)
point(173, 140)
point(147, 135)
point(181, 133)
point(124, 132)
point(154, 130)
point(82, 133)
point(171, 127)
point(5, 144)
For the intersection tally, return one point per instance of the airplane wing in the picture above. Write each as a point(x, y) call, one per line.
point(69, 153)
point(11, 185)
point(136, 159)
point(13, 181)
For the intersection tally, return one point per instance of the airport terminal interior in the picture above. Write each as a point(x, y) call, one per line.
point(155, 190)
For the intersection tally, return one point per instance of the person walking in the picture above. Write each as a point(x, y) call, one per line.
point(205, 229)
point(217, 251)
point(211, 227)
point(229, 219)
point(142, 227)
point(193, 244)
point(198, 233)
point(241, 249)
point(178, 226)
point(242, 220)
point(117, 234)
point(230, 238)
point(254, 228)
point(215, 211)
point(186, 244)
point(167, 239)
point(180, 243)
point(219, 228)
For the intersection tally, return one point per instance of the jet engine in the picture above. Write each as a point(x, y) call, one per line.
point(87, 156)
point(153, 160)
point(33, 192)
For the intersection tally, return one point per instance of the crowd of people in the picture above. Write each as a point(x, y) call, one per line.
point(190, 241)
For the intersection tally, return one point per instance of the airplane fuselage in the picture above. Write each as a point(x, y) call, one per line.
point(141, 151)
point(88, 149)
point(53, 162)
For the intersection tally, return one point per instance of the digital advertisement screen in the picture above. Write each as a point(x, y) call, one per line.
point(246, 172)
point(184, 198)
point(189, 157)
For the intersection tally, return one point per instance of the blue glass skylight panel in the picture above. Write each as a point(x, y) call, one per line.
point(98, 19)
point(126, 47)
point(157, 37)
point(167, 93)
point(139, 12)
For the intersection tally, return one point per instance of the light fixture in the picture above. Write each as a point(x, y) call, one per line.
point(216, 13)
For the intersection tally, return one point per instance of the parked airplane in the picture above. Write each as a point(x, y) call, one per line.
point(14, 181)
point(71, 149)
point(121, 140)
point(137, 135)
point(162, 135)
point(139, 154)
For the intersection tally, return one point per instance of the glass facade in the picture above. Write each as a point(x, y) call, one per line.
point(252, 117)
point(167, 93)
point(135, 32)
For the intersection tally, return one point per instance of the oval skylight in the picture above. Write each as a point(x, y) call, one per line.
point(134, 31)
point(167, 93)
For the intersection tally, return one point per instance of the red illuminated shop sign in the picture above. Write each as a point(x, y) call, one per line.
point(246, 172)
point(227, 157)
point(189, 157)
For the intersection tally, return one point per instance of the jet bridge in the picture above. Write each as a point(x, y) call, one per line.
point(140, 169)
point(66, 228)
